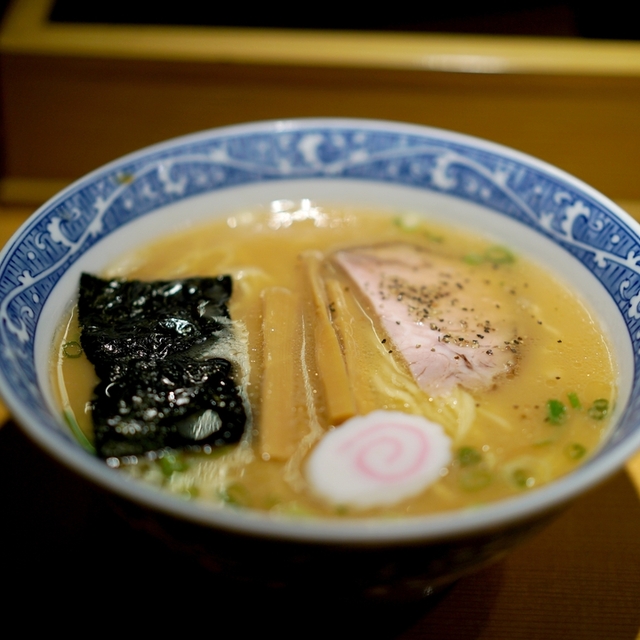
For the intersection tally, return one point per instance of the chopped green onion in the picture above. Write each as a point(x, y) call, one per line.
point(171, 463)
point(342, 510)
point(235, 494)
point(493, 255)
point(575, 451)
point(293, 509)
point(473, 258)
point(499, 255)
point(522, 478)
point(574, 401)
point(70, 419)
point(556, 412)
point(72, 349)
point(475, 479)
point(407, 222)
point(412, 223)
point(599, 409)
point(468, 456)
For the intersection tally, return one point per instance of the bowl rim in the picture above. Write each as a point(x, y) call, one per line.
point(361, 531)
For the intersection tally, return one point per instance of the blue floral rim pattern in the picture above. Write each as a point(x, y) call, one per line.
point(72, 223)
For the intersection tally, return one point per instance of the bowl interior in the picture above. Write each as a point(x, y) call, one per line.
point(536, 209)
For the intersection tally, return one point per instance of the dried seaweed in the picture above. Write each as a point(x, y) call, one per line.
point(151, 345)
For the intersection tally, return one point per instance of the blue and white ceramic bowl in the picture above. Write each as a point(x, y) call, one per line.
point(537, 209)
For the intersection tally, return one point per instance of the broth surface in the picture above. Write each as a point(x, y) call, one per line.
point(536, 422)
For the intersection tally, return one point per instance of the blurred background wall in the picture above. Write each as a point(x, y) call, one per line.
point(84, 82)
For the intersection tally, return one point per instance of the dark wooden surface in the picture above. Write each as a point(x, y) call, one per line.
point(63, 544)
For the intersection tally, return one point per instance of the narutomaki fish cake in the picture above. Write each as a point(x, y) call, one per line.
point(380, 364)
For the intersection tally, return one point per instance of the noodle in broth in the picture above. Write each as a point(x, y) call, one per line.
point(548, 409)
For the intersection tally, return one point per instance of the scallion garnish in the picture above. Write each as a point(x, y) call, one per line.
point(575, 451)
point(77, 431)
point(413, 223)
point(499, 255)
point(556, 412)
point(473, 258)
point(72, 349)
point(574, 401)
point(171, 463)
point(523, 479)
point(235, 494)
point(468, 456)
point(599, 409)
point(493, 255)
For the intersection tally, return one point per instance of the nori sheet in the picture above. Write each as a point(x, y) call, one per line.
point(148, 344)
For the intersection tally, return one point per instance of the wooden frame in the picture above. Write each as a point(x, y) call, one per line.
point(76, 96)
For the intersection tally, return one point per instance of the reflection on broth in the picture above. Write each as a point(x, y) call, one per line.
point(350, 318)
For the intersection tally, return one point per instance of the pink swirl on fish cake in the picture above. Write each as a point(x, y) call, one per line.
point(378, 459)
point(389, 440)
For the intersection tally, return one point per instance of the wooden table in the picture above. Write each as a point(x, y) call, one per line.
point(63, 543)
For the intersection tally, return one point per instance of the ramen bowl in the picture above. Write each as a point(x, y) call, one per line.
point(536, 209)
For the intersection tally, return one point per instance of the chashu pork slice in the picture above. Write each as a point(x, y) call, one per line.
point(440, 314)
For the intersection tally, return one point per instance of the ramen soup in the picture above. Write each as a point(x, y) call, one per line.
point(332, 361)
